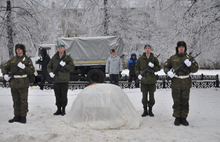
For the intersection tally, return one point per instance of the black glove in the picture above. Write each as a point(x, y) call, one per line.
point(39, 60)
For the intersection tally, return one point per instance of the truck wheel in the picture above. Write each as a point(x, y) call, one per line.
point(95, 76)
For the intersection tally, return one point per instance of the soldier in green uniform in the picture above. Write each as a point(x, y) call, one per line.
point(148, 79)
point(60, 77)
point(180, 83)
point(21, 66)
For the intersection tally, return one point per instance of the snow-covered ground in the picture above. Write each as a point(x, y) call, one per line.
point(43, 126)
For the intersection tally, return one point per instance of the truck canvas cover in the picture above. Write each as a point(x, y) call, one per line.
point(85, 49)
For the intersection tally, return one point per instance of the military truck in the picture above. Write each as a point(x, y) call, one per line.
point(88, 53)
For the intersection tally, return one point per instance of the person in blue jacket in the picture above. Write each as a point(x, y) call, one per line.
point(132, 74)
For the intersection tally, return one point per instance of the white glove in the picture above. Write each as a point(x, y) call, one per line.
point(20, 65)
point(62, 63)
point(139, 77)
point(6, 77)
point(52, 75)
point(170, 74)
point(150, 64)
point(188, 62)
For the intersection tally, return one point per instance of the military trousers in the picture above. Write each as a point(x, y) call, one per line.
point(61, 90)
point(145, 89)
point(180, 102)
point(20, 101)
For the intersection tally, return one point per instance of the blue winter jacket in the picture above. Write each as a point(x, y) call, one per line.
point(131, 64)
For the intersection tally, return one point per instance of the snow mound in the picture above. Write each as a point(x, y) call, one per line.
point(103, 106)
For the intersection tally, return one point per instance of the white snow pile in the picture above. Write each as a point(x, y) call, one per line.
point(103, 106)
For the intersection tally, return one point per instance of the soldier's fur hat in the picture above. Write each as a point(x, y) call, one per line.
point(22, 47)
point(181, 43)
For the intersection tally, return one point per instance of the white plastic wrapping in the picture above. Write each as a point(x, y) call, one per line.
point(103, 106)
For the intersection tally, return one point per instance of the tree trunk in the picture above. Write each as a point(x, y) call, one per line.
point(9, 30)
point(106, 18)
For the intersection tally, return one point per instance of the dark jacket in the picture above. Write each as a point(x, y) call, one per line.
point(142, 63)
point(45, 61)
point(11, 65)
point(131, 64)
point(63, 76)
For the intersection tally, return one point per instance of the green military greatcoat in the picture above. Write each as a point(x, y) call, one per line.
point(180, 87)
point(19, 85)
point(63, 76)
point(174, 62)
point(11, 65)
point(148, 79)
point(142, 63)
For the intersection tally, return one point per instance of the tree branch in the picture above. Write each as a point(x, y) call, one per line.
point(24, 10)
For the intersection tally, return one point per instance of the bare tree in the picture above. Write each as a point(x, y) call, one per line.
point(202, 22)
point(22, 22)
point(159, 23)
point(106, 17)
point(10, 44)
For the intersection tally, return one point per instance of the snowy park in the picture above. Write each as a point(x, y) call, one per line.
point(183, 36)
point(42, 125)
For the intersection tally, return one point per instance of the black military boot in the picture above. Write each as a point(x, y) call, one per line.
point(63, 111)
point(145, 112)
point(15, 119)
point(23, 120)
point(177, 121)
point(58, 112)
point(150, 112)
point(41, 87)
point(184, 122)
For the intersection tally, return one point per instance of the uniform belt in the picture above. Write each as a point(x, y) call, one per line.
point(182, 77)
point(20, 76)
